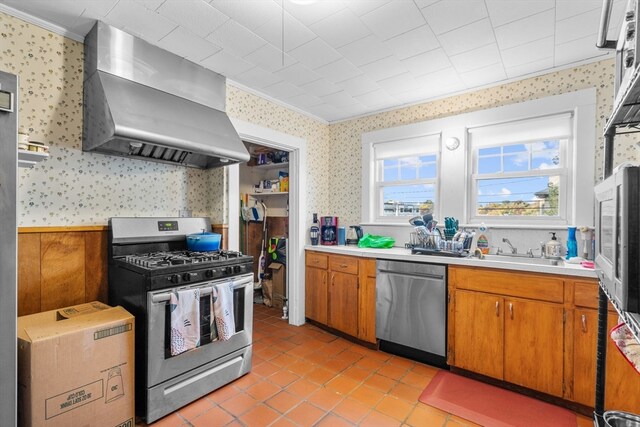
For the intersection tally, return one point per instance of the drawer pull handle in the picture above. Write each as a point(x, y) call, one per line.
point(343, 266)
point(511, 310)
point(584, 323)
point(315, 261)
point(498, 308)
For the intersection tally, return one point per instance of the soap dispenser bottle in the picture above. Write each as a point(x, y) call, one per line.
point(552, 248)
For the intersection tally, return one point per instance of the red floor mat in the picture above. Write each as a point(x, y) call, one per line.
point(492, 406)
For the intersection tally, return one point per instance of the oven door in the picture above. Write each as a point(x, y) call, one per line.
point(161, 366)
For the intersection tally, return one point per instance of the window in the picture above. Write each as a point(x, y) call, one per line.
point(406, 177)
point(520, 169)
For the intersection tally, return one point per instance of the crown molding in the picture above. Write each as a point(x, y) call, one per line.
point(50, 26)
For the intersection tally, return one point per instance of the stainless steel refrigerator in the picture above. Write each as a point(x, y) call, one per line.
point(8, 246)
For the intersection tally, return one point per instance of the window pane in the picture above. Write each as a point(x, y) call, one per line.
point(515, 148)
point(488, 165)
point(488, 151)
point(409, 168)
point(545, 160)
point(390, 162)
point(528, 196)
point(408, 200)
point(427, 171)
point(427, 159)
point(516, 162)
point(390, 174)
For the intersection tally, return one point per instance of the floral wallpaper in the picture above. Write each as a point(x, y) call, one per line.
point(77, 188)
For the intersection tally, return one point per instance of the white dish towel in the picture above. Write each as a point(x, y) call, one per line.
point(184, 307)
point(222, 296)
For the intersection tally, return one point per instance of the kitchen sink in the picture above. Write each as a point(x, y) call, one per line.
point(523, 260)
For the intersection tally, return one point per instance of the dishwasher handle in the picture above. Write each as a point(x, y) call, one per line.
point(412, 275)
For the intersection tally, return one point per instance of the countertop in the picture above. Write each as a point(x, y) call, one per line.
point(403, 254)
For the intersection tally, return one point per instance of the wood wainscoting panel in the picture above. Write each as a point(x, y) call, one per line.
point(63, 269)
point(96, 280)
point(28, 274)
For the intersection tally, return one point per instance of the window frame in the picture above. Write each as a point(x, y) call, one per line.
point(379, 185)
point(454, 185)
point(563, 172)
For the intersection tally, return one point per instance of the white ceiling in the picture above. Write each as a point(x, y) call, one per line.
point(346, 58)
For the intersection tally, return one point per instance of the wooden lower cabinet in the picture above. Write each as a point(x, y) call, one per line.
point(622, 382)
point(343, 303)
point(479, 324)
point(316, 294)
point(504, 338)
point(340, 293)
point(533, 345)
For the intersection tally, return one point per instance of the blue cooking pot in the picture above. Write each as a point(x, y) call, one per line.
point(203, 242)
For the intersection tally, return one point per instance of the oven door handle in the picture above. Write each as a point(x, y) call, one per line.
point(204, 290)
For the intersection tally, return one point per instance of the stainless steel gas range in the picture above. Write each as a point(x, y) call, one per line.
point(147, 261)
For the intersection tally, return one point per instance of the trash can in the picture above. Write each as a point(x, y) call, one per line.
point(621, 419)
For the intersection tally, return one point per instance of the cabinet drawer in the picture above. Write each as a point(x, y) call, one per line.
point(532, 286)
point(344, 264)
point(316, 260)
point(585, 294)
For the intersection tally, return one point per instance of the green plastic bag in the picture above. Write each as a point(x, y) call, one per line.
point(373, 241)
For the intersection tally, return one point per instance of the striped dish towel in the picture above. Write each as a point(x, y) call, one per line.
point(222, 296)
point(184, 307)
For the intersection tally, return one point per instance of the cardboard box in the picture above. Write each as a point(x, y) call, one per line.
point(279, 279)
point(75, 367)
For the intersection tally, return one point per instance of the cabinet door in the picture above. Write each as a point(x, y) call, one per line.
point(343, 303)
point(585, 333)
point(479, 333)
point(316, 294)
point(533, 345)
point(367, 309)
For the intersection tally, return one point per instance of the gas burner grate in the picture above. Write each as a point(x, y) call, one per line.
point(156, 260)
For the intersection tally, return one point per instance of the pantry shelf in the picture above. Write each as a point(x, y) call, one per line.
point(267, 166)
point(28, 159)
point(269, 193)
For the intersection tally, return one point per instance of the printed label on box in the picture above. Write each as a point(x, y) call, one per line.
point(72, 399)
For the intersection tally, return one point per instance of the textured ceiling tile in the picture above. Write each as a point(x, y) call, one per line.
point(399, 83)
point(394, 18)
point(413, 42)
point(483, 76)
point(270, 58)
point(427, 62)
point(189, 46)
point(283, 90)
point(384, 68)
point(359, 85)
point(196, 15)
point(362, 7)
point(478, 58)
point(236, 38)
point(364, 51)
point(297, 74)
point(295, 33)
point(505, 11)
point(531, 67)
point(315, 54)
point(526, 30)
point(341, 28)
point(226, 64)
point(467, 38)
point(139, 21)
point(257, 78)
point(527, 53)
point(321, 88)
point(445, 16)
point(577, 26)
point(338, 71)
point(309, 14)
point(250, 14)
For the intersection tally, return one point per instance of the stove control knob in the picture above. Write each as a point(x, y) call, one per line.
point(188, 276)
point(174, 278)
point(210, 273)
point(236, 269)
point(228, 270)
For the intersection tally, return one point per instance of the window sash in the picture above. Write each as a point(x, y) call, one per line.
point(379, 196)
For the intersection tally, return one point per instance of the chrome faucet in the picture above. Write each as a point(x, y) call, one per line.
point(513, 249)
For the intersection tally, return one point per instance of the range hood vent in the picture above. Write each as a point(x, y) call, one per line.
point(143, 102)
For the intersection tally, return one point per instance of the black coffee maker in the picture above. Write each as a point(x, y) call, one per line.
point(354, 234)
point(329, 230)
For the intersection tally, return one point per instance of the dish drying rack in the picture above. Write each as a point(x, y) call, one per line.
point(425, 242)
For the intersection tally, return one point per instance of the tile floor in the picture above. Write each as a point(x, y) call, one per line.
point(303, 376)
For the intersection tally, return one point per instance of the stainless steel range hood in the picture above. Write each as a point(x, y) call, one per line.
point(143, 102)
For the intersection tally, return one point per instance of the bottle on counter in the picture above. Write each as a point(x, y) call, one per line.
point(572, 243)
point(552, 248)
point(314, 230)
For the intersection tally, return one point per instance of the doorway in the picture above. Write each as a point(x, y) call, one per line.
point(297, 150)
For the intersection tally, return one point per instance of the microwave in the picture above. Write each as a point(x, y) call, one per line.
point(618, 236)
point(627, 58)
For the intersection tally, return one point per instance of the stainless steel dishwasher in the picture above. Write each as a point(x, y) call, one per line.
point(411, 310)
